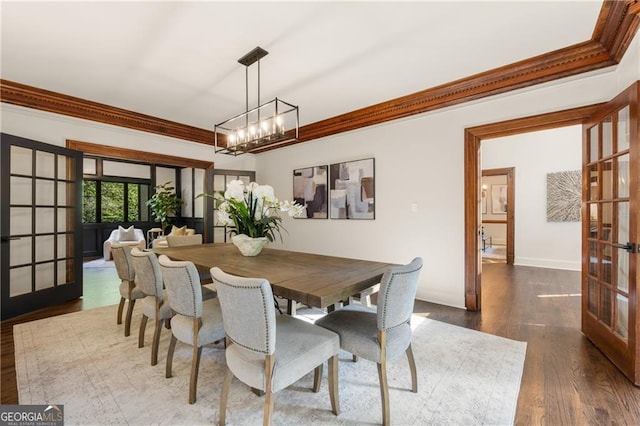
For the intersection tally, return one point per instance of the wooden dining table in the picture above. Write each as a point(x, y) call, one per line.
point(312, 279)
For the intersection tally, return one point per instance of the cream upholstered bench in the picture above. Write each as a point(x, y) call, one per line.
point(161, 242)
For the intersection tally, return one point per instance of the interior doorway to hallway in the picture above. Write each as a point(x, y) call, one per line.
point(498, 215)
point(473, 181)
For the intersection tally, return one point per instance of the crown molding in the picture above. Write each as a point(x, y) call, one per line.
point(46, 100)
point(132, 154)
point(615, 28)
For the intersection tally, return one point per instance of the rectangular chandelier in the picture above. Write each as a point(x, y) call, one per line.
point(273, 123)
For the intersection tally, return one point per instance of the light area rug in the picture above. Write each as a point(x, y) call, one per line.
point(83, 361)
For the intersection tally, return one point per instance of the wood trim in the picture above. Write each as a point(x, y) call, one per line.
point(58, 103)
point(472, 200)
point(141, 156)
point(472, 141)
point(615, 28)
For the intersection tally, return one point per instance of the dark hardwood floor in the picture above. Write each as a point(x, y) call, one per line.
point(566, 380)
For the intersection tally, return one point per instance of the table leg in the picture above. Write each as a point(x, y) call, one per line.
point(291, 307)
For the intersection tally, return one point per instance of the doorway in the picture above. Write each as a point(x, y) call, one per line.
point(498, 214)
point(473, 177)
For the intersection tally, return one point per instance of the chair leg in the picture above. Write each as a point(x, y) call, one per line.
point(317, 378)
point(156, 342)
point(384, 393)
point(195, 366)
point(120, 309)
point(226, 386)
point(127, 321)
point(333, 384)
point(172, 348)
point(143, 327)
point(269, 363)
point(412, 367)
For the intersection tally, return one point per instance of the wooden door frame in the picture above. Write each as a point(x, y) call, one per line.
point(473, 137)
point(510, 173)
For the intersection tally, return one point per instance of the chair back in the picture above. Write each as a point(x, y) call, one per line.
point(184, 240)
point(148, 274)
point(248, 312)
point(397, 294)
point(122, 258)
point(183, 286)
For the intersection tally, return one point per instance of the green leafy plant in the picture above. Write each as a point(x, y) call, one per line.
point(253, 210)
point(164, 203)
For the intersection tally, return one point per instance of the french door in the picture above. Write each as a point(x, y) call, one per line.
point(40, 225)
point(611, 205)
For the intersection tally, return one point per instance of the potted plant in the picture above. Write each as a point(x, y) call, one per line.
point(253, 214)
point(164, 203)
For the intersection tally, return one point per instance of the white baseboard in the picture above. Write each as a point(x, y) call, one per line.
point(548, 263)
point(440, 297)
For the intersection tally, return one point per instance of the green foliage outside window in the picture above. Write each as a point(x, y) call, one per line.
point(112, 198)
point(112, 202)
point(89, 201)
point(134, 203)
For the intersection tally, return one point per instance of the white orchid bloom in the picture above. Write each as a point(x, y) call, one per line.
point(235, 190)
point(265, 192)
point(252, 187)
point(292, 209)
point(224, 219)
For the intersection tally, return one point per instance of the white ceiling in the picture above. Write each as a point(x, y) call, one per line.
point(178, 60)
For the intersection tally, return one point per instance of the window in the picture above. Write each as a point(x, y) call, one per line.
point(112, 196)
point(89, 201)
point(115, 201)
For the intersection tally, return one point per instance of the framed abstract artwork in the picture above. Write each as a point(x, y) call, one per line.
point(499, 199)
point(352, 190)
point(310, 186)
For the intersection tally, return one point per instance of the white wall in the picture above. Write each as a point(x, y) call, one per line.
point(55, 129)
point(420, 160)
point(538, 242)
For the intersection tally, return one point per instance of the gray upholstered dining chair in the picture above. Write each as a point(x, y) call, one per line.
point(194, 322)
point(154, 304)
point(273, 352)
point(385, 333)
point(128, 291)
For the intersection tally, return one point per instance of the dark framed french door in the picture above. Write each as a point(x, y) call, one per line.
point(40, 225)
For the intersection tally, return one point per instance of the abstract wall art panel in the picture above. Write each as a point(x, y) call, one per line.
point(564, 195)
point(310, 186)
point(352, 190)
